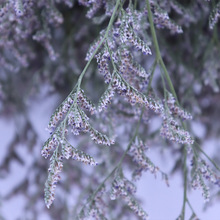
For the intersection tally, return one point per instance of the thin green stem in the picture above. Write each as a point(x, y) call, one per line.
point(185, 185)
point(170, 84)
point(99, 45)
point(157, 49)
point(135, 4)
point(168, 80)
point(110, 53)
point(151, 76)
point(91, 199)
point(164, 88)
point(153, 32)
point(190, 206)
point(78, 84)
point(206, 155)
point(130, 142)
point(132, 139)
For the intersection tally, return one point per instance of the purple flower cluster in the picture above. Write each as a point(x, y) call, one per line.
point(171, 130)
point(176, 110)
point(106, 98)
point(68, 151)
point(54, 170)
point(122, 187)
point(133, 72)
point(96, 5)
point(18, 6)
point(127, 35)
point(51, 144)
point(100, 138)
point(78, 121)
point(215, 15)
point(123, 88)
point(201, 172)
point(134, 17)
point(162, 20)
point(60, 112)
point(137, 152)
point(128, 65)
point(84, 102)
point(103, 66)
point(74, 115)
point(94, 45)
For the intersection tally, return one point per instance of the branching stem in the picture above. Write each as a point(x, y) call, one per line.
point(91, 199)
point(118, 166)
point(158, 54)
point(162, 65)
point(206, 155)
point(78, 84)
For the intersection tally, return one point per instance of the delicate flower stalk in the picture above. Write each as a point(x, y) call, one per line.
point(109, 7)
point(96, 5)
point(134, 96)
point(172, 131)
point(106, 98)
point(60, 112)
point(127, 35)
point(94, 45)
point(18, 7)
point(98, 209)
point(162, 19)
point(54, 170)
point(215, 15)
point(68, 151)
point(121, 187)
point(134, 17)
point(128, 65)
point(85, 103)
point(141, 160)
point(201, 172)
point(131, 91)
point(175, 109)
point(102, 60)
point(51, 144)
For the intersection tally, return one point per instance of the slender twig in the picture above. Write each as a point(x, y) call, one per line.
point(157, 49)
point(206, 155)
point(91, 199)
point(151, 76)
point(185, 184)
point(162, 65)
point(161, 62)
point(78, 84)
point(118, 166)
point(190, 206)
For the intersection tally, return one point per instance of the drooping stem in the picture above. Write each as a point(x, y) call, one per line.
point(151, 77)
point(99, 45)
point(206, 155)
point(91, 199)
point(118, 165)
point(168, 79)
point(190, 206)
point(185, 184)
point(78, 84)
point(157, 49)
